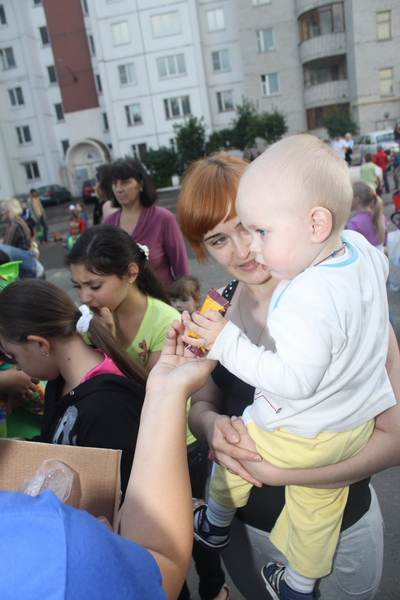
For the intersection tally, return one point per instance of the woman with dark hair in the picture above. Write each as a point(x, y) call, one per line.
point(44, 334)
point(113, 277)
point(154, 226)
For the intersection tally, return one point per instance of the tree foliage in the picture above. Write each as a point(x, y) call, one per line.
point(161, 165)
point(340, 121)
point(190, 139)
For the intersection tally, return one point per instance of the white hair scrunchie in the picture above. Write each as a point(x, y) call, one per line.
point(144, 249)
point(83, 322)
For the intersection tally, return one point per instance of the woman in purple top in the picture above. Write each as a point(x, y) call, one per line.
point(369, 220)
point(154, 226)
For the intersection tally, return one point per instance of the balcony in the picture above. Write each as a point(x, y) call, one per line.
point(332, 92)
point(322, 46)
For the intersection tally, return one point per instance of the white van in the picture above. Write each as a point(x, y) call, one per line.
point(369, 143)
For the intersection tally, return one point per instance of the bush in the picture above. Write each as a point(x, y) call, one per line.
point(161, 165)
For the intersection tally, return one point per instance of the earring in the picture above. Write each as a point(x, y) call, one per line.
point(130, 281)
point(45, 355)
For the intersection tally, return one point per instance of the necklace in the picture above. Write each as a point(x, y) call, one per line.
point(342, 247)
point(242, 322)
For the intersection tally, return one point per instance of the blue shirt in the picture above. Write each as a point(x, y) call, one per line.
point(52, 551)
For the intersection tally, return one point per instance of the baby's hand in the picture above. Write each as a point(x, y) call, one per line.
point(207, 326)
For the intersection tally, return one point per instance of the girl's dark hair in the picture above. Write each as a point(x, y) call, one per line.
point(108, 250)
point(37, 307)
point(125, 169)
point(104, 184)
point(185, 285)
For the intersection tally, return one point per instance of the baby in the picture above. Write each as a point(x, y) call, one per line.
point(317, 395)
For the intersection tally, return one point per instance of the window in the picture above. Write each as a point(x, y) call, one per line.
point(386, 82)
point(16, 97)
point(23, 134)
point(171, 66)
point(37, 2)
point(260, 2)
point(133, 114)
point(120, 33)
point(3, 18)
point(99, 87)
point(52, 73)
point(270, 84)
point(32, 170)
point(92, 48)
point(127, 74)
point(59, 112)
point(265, 40)
point(138, 151)
point(215, 20)
point(85, 9)
point(321, 21)
point(324, 74)
point(44, 35)
point(166, 24)
point(383, 25)
point(65, 146)
point(225, 101)
point(177, 107)
point(316, 117)
point(7, 59)
point(220, 60)
point(105, 122)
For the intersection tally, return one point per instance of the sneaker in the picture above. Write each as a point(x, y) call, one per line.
point(208, 535)
point(277, 586)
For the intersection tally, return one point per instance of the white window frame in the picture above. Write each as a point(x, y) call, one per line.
point(24, 135)
point(261, 2)
point(85, 9)
point(261, 45)
point(266, 86)
point(99, 86)
point(46, 41)
point(166, 24)
point(92, 47)
point(175, 108)
point(215, 20)
point(14, 99)
point(383, 24)
point(3, 16)
point(58, 116)
point(133, 114)
point(221, 61)
point(127, 71)
point(55, 81)
point(31, 170)
point(223, 105)
point(106, 125)
point(386, 75)
point(120, 33)
point(5, 55)
point(173, 66)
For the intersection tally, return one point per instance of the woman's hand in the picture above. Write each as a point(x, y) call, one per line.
point(17, 385)
point(233, 448)
point(104, 316)
point(177, 367)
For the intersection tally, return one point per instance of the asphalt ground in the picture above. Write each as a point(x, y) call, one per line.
point(386, 484)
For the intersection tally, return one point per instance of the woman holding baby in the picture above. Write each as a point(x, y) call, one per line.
point(208, 219)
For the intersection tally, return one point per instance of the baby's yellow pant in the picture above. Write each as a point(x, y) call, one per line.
point(308, 527)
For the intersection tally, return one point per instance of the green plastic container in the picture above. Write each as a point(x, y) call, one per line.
point(10, 271)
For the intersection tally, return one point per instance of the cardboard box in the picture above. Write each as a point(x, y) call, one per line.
point(96, 486)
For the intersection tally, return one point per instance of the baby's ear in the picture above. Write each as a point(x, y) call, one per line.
point(321, 224)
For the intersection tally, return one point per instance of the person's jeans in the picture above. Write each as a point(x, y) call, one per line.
point(43, 227)
point(28, 266)
point(386, 181)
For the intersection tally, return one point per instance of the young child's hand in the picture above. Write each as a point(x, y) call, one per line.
point(207, 326)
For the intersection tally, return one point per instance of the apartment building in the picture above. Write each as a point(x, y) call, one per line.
point(85, 81)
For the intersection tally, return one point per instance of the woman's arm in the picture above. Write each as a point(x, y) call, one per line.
point(381, 452)
point(157, 511)
point(175, 248)
point(211, 427)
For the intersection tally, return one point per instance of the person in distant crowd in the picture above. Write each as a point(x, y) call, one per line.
point(382, 160)
point(340, 145)
point(106, 203)
point(371, 173)
point(27, 217)
point(397, 133)
point(395, 165)
point(349, 151)
point(17, 241)
point(37, 212)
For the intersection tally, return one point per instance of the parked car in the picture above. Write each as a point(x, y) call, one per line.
point(369, 143)
point(88, 191)
point(53, 194)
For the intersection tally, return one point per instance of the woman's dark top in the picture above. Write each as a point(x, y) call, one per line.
point(265, 504)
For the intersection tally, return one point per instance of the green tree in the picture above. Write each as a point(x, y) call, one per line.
point(340, 121)
point(218, 140)
point(251, 124)
point(161, 165)
point(190, 139)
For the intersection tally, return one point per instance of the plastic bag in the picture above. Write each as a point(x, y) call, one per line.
point(393, 246)
point(53, 475)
